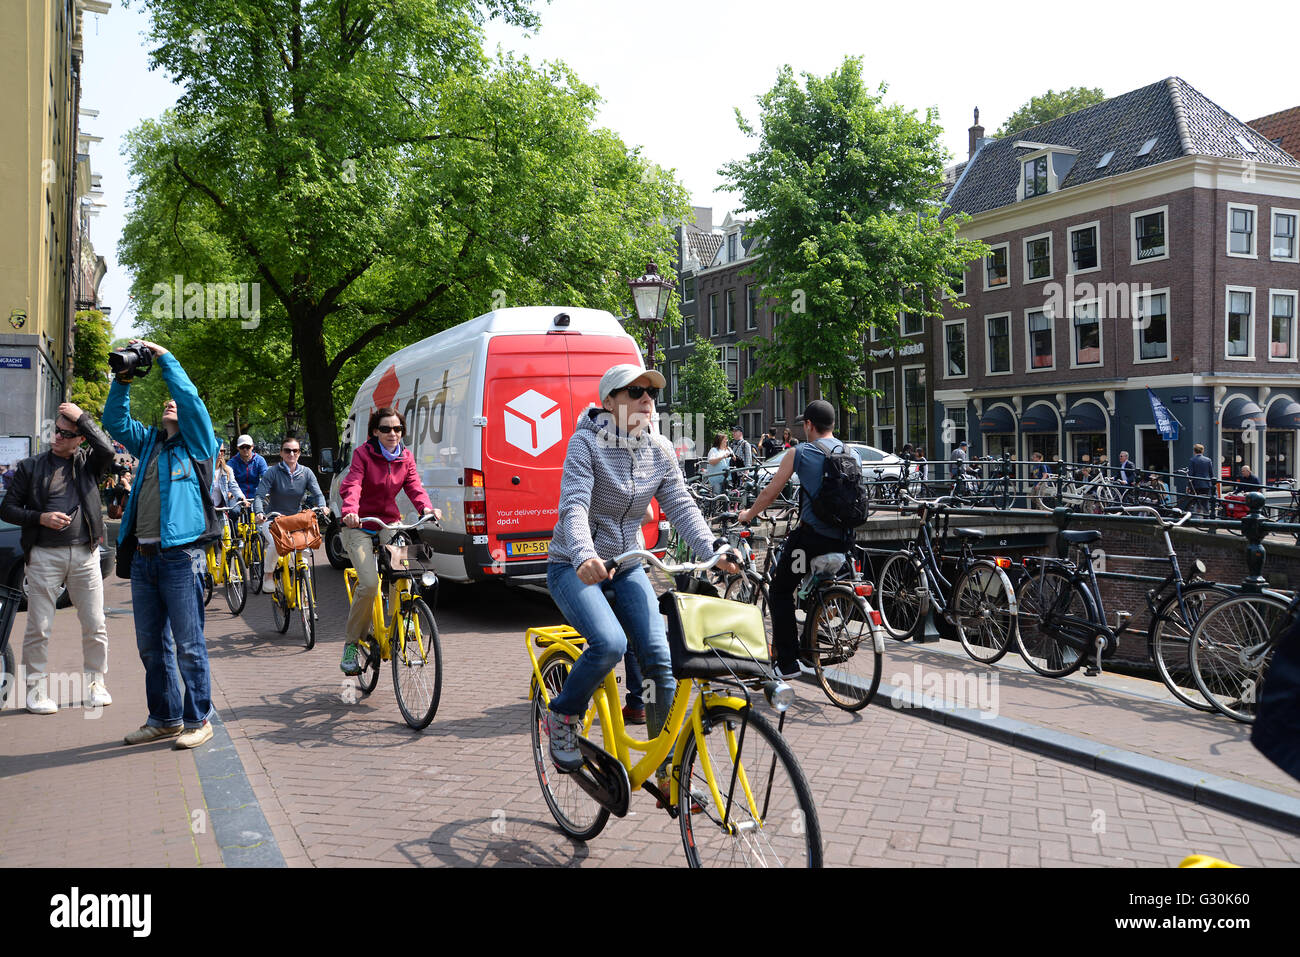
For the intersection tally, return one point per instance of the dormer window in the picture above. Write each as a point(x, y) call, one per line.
point(1036, 176)
point(1045, 168)
point(731, 247)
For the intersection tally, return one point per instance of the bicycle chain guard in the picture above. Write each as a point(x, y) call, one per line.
point(603, 777)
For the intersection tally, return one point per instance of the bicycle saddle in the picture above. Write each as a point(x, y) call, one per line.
point(974, 534)
point(1081, 536)
point(828, 564)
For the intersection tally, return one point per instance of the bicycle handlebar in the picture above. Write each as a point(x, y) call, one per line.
point(400, 527)
point(1152, 510)
point(723, 554)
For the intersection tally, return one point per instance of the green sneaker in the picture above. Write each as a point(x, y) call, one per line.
point(349, 664)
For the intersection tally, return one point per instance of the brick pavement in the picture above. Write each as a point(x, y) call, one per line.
point(349, 784)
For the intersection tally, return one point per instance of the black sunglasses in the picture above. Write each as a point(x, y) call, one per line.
point(636, 391)
point(387, 429)
point(291, 451)
point(65, 433)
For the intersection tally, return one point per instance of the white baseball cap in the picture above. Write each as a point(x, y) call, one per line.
point(243, 440)
point(622, 376)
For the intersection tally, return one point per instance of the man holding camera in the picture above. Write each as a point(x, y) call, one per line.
point(54, 498)
point(168, 520)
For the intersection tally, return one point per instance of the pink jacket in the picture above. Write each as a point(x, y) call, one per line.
point(372, 484)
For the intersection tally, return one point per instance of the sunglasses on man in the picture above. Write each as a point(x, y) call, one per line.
point(65, 433)
point(636, 391)
point(291, 451)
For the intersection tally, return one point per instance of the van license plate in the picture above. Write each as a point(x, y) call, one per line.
point(539, 547)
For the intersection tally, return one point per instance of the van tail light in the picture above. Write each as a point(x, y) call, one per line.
point(475, 503)
point(1002, 562)
point(862, 588)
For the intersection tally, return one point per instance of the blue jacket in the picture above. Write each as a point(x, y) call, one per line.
point(184, 462)
point(248, 475)
point(1200, 468)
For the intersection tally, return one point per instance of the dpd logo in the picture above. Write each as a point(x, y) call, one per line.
point(533, 422)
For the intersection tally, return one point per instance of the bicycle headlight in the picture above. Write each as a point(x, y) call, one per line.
point(779, 694)
point(428, 579)
point(1199, 566)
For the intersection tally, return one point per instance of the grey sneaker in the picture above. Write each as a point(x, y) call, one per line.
point(193, 737)
point(151, 732)
point(350, 665)
point(562, 732)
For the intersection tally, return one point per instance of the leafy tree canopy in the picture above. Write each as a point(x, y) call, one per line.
point(706, 395)
point(1050, 106)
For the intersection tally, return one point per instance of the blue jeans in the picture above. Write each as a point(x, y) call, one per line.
point(167, 600)
point(635, 614)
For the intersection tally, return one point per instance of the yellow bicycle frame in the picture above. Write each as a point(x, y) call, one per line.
point(562, 640)
point(388, 632)
point(217, 566)
point(286, 580)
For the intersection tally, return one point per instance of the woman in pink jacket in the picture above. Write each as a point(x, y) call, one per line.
point(380, 469)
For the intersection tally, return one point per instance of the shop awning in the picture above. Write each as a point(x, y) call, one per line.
point(997, 419)
point(1039, 417)
point(1284, 414)
point(1242, 413)
point(1085, 417)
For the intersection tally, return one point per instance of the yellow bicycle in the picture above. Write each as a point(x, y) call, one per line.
point(251, 548)
point(747, 802)
point(226, 567)
point(295, 590)
point(402, 628)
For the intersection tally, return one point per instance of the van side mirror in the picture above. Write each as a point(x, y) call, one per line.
point(326, 464)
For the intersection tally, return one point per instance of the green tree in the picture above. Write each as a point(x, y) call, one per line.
point(846, 194)
point(91, 342)
point(1050, 106)
point(378, 179)
point(705, 394)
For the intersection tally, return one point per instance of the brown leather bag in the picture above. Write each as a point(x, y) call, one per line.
point(293, 533)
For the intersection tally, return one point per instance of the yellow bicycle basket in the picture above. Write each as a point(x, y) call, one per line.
point(714, 638)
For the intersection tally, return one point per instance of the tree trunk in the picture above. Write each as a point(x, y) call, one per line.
point(317, 386)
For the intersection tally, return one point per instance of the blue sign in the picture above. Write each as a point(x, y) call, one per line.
point(1179, 400)
point(1166, 424)
point(1200, 398)
point(15, 362)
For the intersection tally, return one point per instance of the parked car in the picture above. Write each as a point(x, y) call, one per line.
point(12, 566)
point(871, 458)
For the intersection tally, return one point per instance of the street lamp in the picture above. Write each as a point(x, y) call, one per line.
point(650, 293)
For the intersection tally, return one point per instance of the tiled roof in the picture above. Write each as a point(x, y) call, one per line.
point(704, 246)
point(1182, 120)
point(1284, 126)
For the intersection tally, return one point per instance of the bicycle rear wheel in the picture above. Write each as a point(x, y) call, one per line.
point(208, 586)
point(256, 563)
point(1231, 647)
point(1169, 641)
point(236, 583)
point(766, 817)
point(578, 815)
point(1046, 649)
point(417, 665)
point(752, 591)
point(901, 595)
point(981, 607)
point(306, 608)
point(843, 649)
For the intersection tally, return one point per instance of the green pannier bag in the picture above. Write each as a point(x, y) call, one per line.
point(714, 638)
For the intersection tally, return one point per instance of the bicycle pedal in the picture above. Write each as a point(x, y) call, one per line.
point(1091, 671)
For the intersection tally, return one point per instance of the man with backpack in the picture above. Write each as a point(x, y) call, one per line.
point(833, 502)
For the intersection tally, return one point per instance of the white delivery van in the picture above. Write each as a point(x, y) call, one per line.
point(490, 406)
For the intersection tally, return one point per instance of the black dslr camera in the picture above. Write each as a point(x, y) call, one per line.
point(130, 361)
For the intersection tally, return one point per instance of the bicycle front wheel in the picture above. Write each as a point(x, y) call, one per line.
point(843, 649)
point(256, 563)
point(578, 815)
point(236, 583)
point(901, 595)
point(1047, 649)
point(1231, 647)
point(1169, 641)
point(208, 586)
point(744, 800)
point(306, 609)
point(279, 605)
point(417, 665)
point(981, 604)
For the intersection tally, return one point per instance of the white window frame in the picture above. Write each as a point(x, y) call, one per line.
point(1024, 252)
point(674, 379)
point(1047, 175)
point(988, 345)
point(1029, 353)
point(1295, 315)
point(960, 295)
point(948, 414)
point(1250, 327)
point(1074, 336)
point(751, 314)
point(1295, 240)
point(902, 318)
point(1069, 248)
point(984, 266)
point(1137, 329)
point(1254, 232)
point(778, 405)
point(906, 430)
point(965, 349)
point(1132, 236)
point(875, 420)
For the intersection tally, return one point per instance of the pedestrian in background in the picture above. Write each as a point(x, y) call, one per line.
point(1200, 476)
point(715, 472)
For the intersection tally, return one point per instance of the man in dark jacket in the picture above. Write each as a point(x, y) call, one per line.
point(54, 498)
point(1201, 478)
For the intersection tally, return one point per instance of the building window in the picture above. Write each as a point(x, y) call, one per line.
point(1241, 230)
point(1284, 238)
point(1083, 248)
point(954, 429)
point(751, 362)
point(884, 384)
point(1035, 176)
point(801, 397)
point(995, 267)
point(1149, 235)
point(1042, 354)
point(1281, 335)
point(1038, 258)
point(911, 324)
point(729, 359)
point(778, 405)
point(1152, 315)
point(1241, 315)
point(688, 327)
point(751, 423)
point(674, 380)
point(713, 314)
point(751, 307)
point(731, 248)
point(999, 333)
point(688, 288)
point(731, 311)
point(914, 405)
point(954, 336)
point(957, 281)
point(1087, 334)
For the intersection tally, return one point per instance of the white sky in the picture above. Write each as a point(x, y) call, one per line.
point(672, 73)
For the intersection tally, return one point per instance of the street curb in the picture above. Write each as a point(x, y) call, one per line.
point(241, 830)
point(1223, 794)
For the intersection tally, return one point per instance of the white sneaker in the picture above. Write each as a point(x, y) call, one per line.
point(38, 702)
point(97, 695)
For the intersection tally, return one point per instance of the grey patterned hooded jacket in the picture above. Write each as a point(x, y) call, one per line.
point(608, 481)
